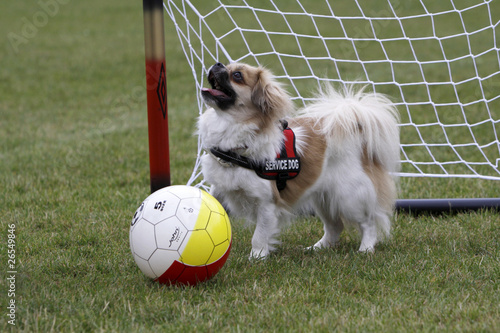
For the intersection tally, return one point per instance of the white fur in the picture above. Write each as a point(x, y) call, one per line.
point(350, 108)
point(351, 123)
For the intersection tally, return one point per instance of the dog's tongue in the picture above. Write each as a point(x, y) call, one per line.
point(214, 92)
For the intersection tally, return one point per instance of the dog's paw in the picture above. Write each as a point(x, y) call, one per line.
point(312, 248)
point(259, 254)
point(368, 250)
point(321, 245)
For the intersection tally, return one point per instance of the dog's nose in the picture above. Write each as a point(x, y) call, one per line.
point(217, 69)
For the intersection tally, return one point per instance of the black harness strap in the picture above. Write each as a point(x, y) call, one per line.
point(286, 165)
point(234, 158)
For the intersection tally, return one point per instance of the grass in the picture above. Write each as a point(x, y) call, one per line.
point(74, 167)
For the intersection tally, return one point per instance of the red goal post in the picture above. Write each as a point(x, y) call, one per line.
point(154, 42)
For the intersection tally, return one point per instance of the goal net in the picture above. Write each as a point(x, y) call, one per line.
point(438, 60)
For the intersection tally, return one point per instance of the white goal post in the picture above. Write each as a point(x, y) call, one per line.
point(438, 60)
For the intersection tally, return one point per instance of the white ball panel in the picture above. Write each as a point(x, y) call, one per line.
point(161, 260)
point(183, 191)
point(188, 212)
point(142, 239)
point(170, 234)
point(144, 267)
point(161, 205)
point(138, 214)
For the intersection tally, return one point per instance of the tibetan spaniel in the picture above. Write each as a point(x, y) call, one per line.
point(266, 161)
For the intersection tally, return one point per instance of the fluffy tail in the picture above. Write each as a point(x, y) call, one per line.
point(368, 116)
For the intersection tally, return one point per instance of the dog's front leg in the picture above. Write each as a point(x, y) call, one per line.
point(266, 230)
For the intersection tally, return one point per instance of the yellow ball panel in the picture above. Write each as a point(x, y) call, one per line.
point(219, 251)
point(198, 249)
point(218, 228)
point(203, 216)
point(212, 203)
point(228, 227)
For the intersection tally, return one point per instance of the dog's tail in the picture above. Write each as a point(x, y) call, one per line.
point(368, 116)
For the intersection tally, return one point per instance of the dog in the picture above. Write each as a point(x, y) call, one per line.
point(346, 145)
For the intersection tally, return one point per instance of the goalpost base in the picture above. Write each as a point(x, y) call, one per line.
point(446, 205)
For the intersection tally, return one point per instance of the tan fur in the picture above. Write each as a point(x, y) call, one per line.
point(384, 185)
point(261, 91)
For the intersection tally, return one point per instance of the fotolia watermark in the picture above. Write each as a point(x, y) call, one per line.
point(31, 26)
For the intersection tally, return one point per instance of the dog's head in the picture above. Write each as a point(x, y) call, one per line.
point(246, 91)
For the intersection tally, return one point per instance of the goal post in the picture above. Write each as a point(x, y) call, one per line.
point(438, 60)
point(154, 45)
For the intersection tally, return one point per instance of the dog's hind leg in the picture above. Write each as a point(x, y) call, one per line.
point(359, 209)
point(358, 206)
point(368, 235)
point(332, 225)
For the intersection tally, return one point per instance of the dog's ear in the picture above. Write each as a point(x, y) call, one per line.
point(268, 95)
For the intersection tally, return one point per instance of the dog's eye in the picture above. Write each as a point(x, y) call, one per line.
point(237, 76)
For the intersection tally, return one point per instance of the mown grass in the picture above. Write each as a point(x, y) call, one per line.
point(74, 167)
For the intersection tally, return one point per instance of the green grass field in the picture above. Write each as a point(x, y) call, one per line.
point(74, 167)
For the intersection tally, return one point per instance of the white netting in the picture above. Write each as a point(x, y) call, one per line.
point(438, 60)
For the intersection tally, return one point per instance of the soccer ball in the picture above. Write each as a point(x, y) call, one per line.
point(180, 235)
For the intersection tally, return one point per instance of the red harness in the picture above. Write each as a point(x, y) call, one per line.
point(285, 166)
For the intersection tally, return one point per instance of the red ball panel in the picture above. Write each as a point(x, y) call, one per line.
point(179, 273)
